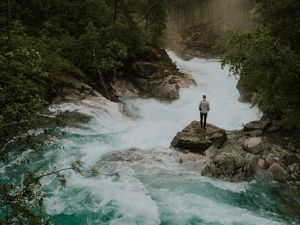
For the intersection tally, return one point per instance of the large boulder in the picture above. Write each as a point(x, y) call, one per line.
point(154, 76)
point(257, 125)
point(253, 145)
point(216, 135)
point(154, 80)
point(165, 91)
point(193, 138)
point(192, 143)
point(233, 166)
point(221, 166)
point(72, 118)
point(279, 172)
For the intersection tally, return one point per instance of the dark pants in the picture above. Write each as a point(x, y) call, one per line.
point(203, 116)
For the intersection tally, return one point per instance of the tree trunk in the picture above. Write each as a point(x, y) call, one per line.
point(116, 10)
point(8, 21)
point(100, 75)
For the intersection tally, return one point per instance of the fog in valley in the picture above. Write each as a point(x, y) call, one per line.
point(218, 14)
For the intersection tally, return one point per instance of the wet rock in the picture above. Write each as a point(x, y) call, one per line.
point(192, 143)
point(257, 125)
point(193, 157)
point(195, 139)
point(279, 172)
point(220, 167)
point(261, 164)
point(255, 133)
point(233, 167)
point(72, 118)
point(155, 76)
point(253, 145)
point(162, 85)
point(165, 91)
point(250, 165)
point(235, 156)
point(71, 89)
point(216, 135)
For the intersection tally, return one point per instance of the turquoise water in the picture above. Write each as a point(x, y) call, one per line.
point(152, 187)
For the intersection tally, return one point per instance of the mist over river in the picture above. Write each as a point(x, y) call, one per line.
point(152, 187)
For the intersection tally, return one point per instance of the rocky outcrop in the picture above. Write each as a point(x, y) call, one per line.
point(193, 138)
point(153, 81)
point(279, 172)
point(154, 76)
point(71, 89)
point(240, 155)
point(253, 145)
point(257, 125)
point(158, 78)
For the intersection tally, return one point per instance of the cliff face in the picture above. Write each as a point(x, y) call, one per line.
point(258, 151)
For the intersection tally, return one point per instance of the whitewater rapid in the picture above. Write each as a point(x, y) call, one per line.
point(152, 187)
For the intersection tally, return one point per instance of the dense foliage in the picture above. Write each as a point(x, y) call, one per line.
point(40, 40)
point(267, 59)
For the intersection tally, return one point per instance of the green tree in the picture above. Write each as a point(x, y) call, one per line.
point(267, 59)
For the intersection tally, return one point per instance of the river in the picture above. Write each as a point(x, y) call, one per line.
point(152, 187)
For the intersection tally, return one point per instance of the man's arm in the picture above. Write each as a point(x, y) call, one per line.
point(208, 106)
point(200, 104)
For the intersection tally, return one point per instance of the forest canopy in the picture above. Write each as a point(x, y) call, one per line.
point(42, 39)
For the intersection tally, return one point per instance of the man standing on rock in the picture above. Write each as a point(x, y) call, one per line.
point(204, 108)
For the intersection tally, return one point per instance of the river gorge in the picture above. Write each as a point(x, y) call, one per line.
point(151, 186)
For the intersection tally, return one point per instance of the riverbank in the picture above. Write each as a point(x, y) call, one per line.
point(263, 150)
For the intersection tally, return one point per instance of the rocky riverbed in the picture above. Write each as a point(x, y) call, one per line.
point(250, 153)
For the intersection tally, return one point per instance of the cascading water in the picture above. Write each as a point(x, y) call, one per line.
point(152, 187)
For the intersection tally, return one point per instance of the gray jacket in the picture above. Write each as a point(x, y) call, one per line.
point(204, 106)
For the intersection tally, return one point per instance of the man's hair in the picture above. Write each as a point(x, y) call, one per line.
point(203, 96)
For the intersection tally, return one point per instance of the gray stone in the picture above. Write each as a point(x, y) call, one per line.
point(195, 139)
point(192, 143)
point(253, 145)
point(261, 164)
point(255, 133)
point(279, 172)
point(226, 165)
point(257, 125)
point(250, 165)
point(216, 135)
point(165, 91)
